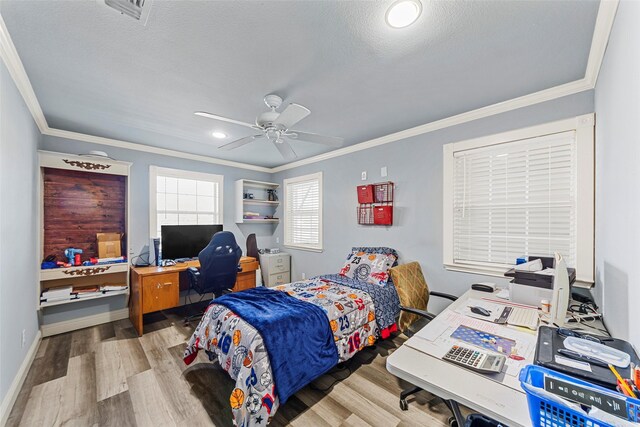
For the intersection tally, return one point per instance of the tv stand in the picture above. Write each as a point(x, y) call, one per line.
point(158, 288)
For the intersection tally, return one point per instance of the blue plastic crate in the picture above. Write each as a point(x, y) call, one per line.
point(546, 412)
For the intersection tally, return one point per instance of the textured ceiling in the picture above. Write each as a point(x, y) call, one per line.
point(98, 72)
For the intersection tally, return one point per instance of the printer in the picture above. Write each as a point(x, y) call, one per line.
point(531, 287)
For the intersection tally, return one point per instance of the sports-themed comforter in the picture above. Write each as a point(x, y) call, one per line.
point(358, 313)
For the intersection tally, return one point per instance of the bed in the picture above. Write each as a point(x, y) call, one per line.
point(291, 334)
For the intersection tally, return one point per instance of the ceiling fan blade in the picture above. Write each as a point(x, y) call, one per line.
point(239, 142)
point(331, 141)
point(285, 149)
point(292, 115)
point(224, 119)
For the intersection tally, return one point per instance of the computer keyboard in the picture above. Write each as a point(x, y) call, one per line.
point(525, 317)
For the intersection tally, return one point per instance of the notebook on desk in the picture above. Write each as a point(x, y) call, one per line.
point(549, 341)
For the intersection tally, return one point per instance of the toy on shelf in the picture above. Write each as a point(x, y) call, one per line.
point(73, 255)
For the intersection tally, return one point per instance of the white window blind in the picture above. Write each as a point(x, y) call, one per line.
point(526, 191)
point(184, 197)
point(303, 212)
point(515, 198)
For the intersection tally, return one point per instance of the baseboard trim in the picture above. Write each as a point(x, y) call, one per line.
point(83, 322)
point(18, 380)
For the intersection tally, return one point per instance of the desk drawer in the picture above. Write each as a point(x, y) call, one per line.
point(278, 279)
point(160, 291)
point(249, 266)
point(279, 264)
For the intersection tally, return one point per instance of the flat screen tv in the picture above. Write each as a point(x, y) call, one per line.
point(185, 241)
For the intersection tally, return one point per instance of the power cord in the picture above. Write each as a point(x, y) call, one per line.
point(145, 261)
point(583, 308)
point(344, 367)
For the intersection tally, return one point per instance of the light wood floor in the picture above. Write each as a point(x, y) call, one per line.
point(108, 376)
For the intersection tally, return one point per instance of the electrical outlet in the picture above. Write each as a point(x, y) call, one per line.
point(364, 175)
point(304, 276)
point(24, 338)
point(277, 240)
point(383, 171)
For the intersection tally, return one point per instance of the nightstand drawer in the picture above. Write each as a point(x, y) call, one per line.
point(160, 291)
point(278, 279)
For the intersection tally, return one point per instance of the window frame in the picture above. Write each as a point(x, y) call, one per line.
point(287, 181)
point(155, 171)
point(585, 193)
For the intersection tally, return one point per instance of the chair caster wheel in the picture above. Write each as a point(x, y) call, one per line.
point(404, 405)
point(452, 422)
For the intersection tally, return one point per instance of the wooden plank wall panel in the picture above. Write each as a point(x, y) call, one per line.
point(77, 205)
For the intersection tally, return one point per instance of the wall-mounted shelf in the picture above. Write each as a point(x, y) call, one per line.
point(375, 204)
point(256, 197)
point(106, 294)
point(260, 202)
point(81, 196)
point(83, 271)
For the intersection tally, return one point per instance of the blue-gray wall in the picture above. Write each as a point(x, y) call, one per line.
point(415, 166)
point(139, 210)
point(617, 106)
point(18, 230)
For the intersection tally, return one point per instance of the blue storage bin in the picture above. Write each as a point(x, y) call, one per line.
point(545, 412)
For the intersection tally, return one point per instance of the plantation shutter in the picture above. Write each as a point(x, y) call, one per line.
point(516, 198)
point(303, 212)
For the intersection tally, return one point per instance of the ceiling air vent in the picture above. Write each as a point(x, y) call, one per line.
point(137, 9)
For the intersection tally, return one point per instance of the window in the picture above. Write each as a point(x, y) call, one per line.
point(527, 192)
point(180, 197)
point(303, 212)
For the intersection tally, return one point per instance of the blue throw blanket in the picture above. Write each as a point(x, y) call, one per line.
point(296, 334)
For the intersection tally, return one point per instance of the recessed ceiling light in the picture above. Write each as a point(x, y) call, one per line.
point(219, 135)
point(403, 13)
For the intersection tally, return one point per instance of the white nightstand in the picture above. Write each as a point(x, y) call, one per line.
point(276, 268)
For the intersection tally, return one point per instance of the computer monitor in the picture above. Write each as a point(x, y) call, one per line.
point(186, 241)
point(561, 292)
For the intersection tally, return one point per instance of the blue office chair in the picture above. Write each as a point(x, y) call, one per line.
point(219, 266)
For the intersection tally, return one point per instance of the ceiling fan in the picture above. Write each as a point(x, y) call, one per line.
point(276, 127)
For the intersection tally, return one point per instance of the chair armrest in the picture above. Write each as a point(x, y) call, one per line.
point(442, 295)
point(194, 271)
point(239, 268)
point(422, 313)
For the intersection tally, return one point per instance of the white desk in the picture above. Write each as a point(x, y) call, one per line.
point(448, 381)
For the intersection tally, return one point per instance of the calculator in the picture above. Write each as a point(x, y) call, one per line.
point(476, 360)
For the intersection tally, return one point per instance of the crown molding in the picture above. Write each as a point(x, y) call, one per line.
point(490, 110)
point(19, 74)
point(604, 22)
point(149, 149)
point(602, 30)
point(17, 71)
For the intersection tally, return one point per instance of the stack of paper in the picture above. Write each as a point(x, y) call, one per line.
point(87, 291)
point(57, 294)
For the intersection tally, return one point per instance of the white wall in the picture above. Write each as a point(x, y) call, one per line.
point(617, 105)
point(18, 224)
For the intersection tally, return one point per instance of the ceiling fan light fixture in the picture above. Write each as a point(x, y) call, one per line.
point(403, 13)
point(218, 135)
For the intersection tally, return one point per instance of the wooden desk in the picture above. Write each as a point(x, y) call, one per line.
point(158, 288)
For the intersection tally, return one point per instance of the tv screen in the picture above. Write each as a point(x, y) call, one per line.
point(185, 241)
